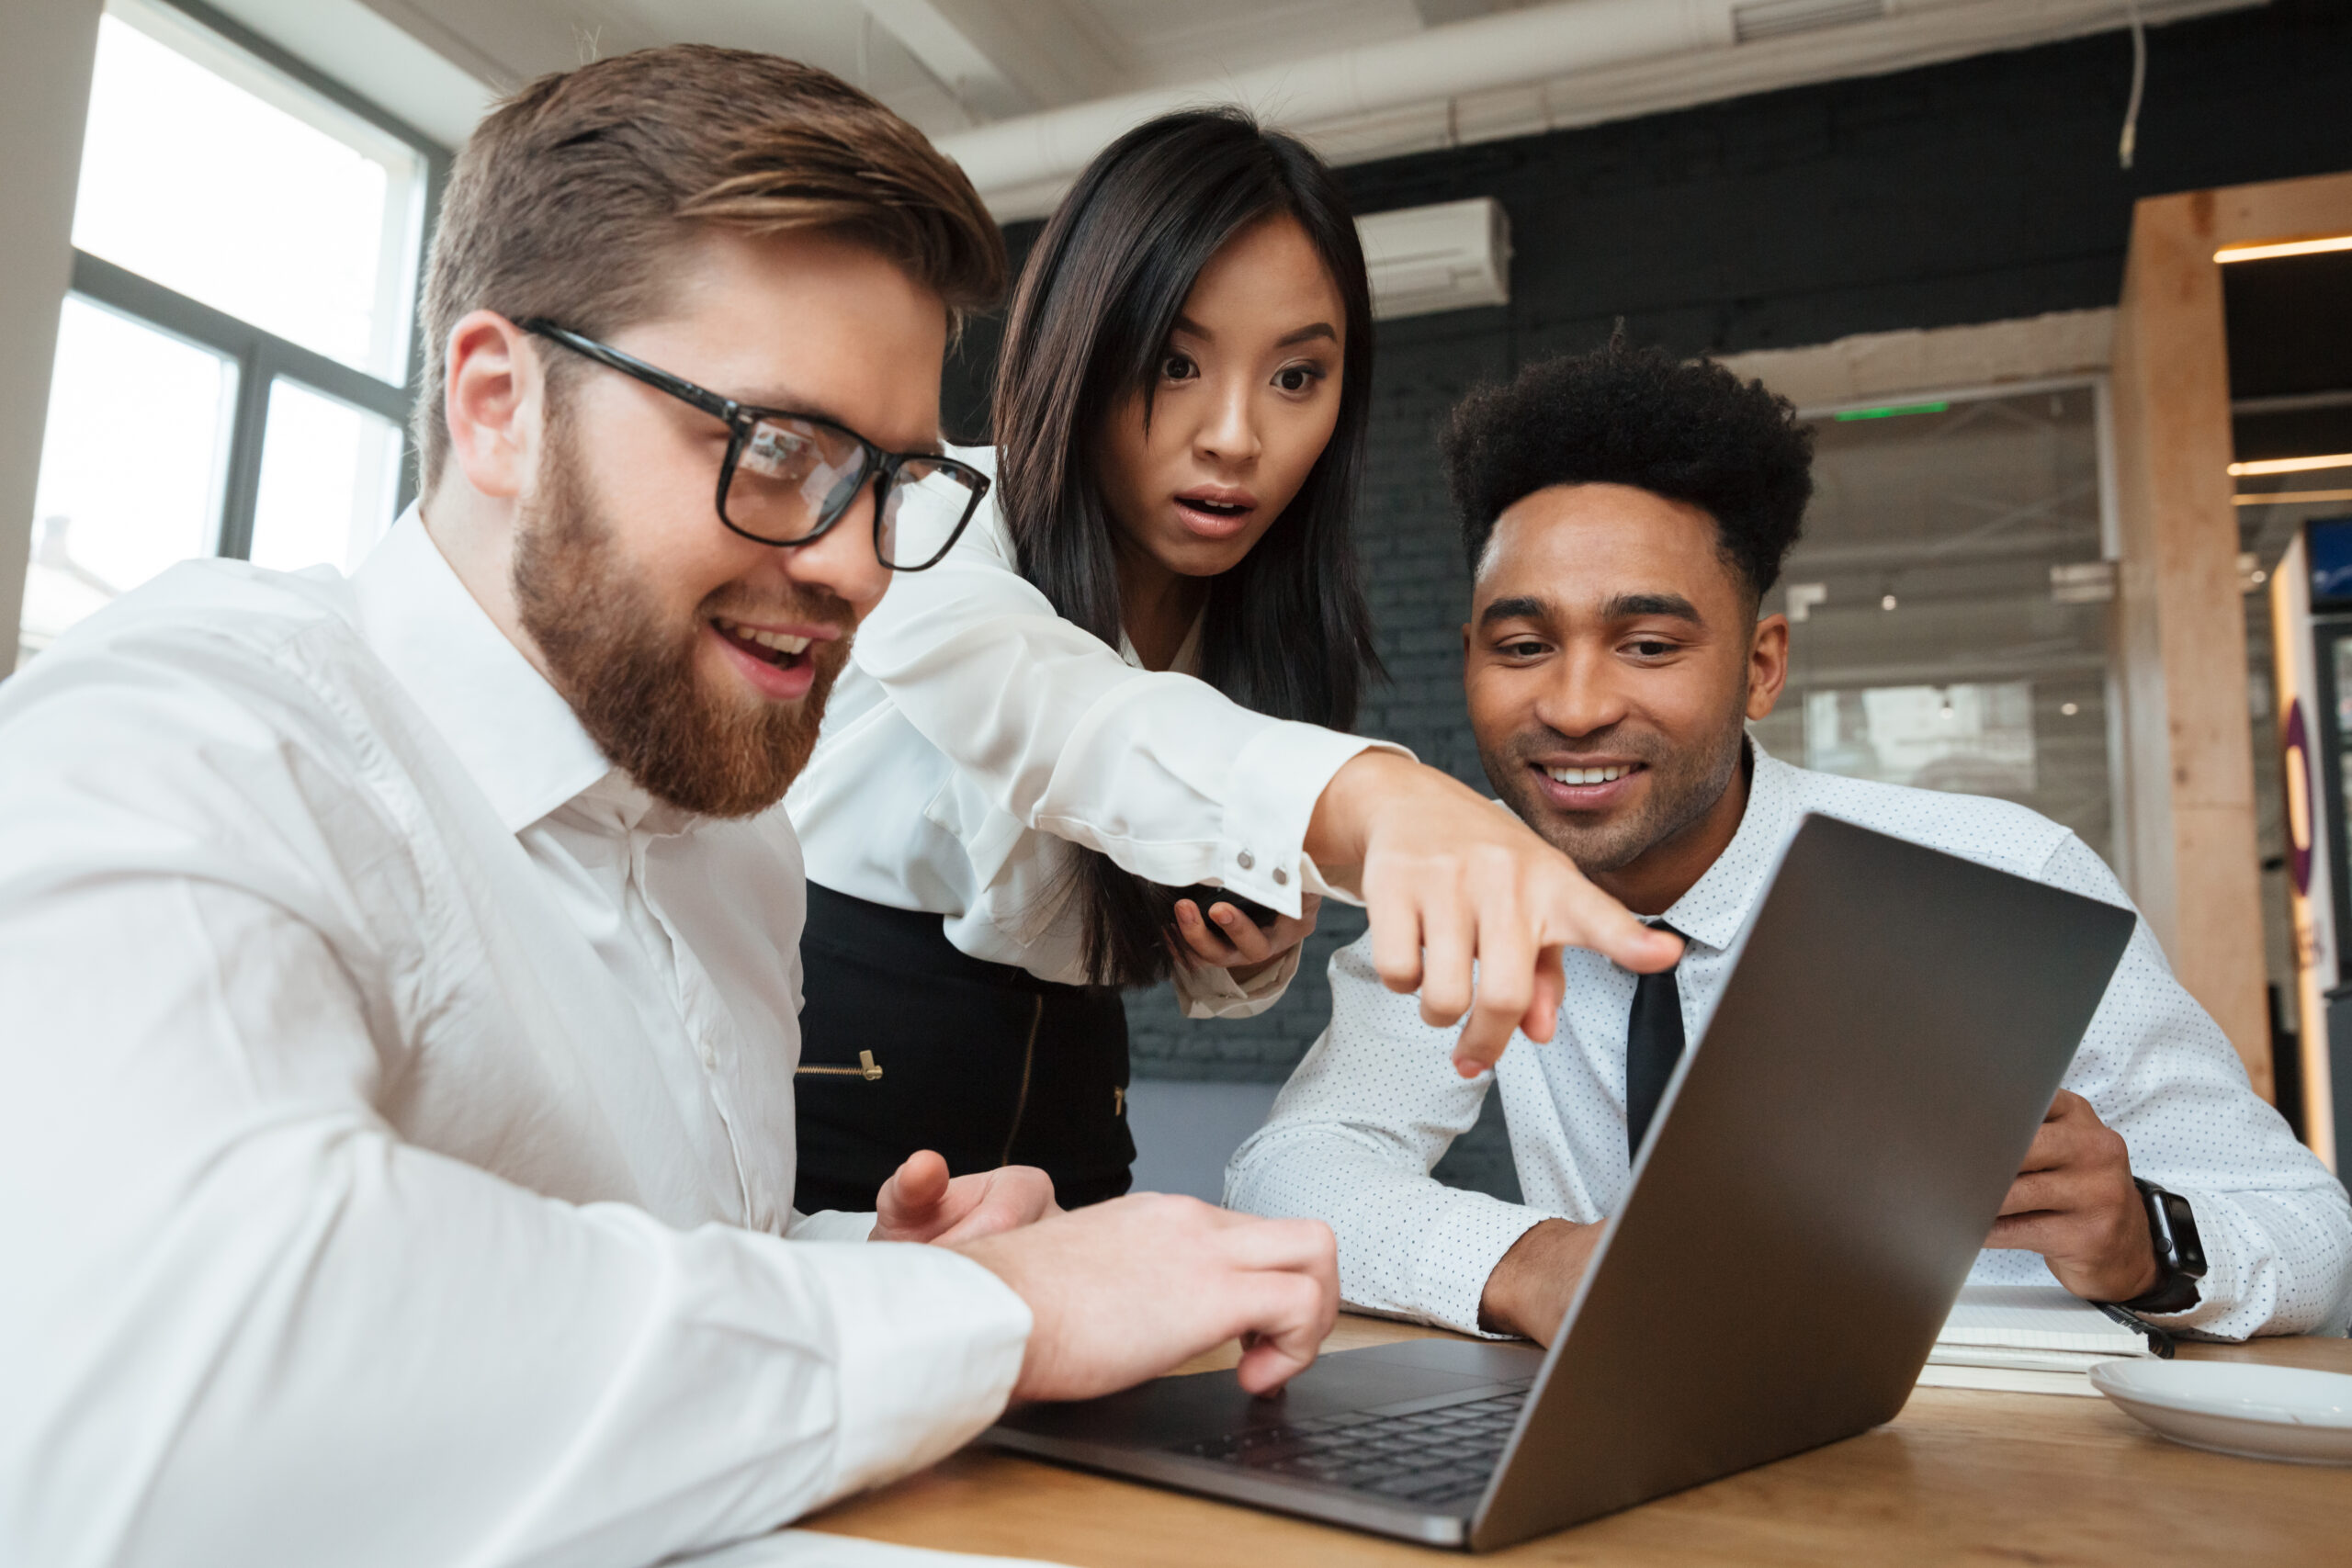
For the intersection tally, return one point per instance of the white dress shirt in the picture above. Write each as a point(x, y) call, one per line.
point(977, 736)
point(1355, 1133)
point(396, 1124)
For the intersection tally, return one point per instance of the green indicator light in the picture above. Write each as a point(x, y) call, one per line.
point(1897, 411)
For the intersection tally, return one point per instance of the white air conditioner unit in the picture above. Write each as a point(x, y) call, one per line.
point(1446, 257)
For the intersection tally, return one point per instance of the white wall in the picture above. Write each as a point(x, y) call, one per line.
point(1185, 1131)
point(46, 50)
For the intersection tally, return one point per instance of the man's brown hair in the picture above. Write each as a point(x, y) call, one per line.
point(572, 197)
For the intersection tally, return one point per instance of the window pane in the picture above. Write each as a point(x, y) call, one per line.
point(130, 468)
point(1977, 740)
point(212, 175)
point(329, 475)
point(1948, 604)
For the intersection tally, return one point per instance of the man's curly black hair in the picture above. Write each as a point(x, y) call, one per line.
point(1688, 430)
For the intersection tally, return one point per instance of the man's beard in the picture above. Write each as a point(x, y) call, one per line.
point(1685, 784)
point(631, 679)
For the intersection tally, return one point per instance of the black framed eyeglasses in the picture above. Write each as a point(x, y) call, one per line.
point(788, 478)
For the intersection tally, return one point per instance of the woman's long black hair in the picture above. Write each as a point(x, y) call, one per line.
point(1287, 631)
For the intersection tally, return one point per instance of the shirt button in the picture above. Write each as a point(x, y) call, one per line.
point(1245, 859)
point(1282, 877)
point(710, 1058)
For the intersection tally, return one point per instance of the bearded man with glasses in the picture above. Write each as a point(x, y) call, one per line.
point(397, 995)
point(785, 480)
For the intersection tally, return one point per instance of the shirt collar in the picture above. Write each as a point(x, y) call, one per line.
point(618, 804)
point(514, 733)
point(1188, 652)
point(1713, 909)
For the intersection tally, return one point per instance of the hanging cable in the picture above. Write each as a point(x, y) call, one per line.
point(2130, 138)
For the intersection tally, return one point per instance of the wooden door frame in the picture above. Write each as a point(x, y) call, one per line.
point(2182, 623)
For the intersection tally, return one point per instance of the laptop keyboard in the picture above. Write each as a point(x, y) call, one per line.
point(1430, 1456)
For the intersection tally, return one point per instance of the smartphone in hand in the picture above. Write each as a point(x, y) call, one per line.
point(1203, 896)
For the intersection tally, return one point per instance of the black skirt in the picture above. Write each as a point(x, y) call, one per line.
point(907, 1044)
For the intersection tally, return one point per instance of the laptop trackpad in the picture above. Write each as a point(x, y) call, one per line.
point(1208, 1404)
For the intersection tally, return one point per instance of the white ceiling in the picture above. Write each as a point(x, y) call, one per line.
point(951, 66)
point(945, 64)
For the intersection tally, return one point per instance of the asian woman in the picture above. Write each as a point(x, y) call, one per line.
point(1103, 741)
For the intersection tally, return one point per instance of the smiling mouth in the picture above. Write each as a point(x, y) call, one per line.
point(1608, 774)
point(770, 647)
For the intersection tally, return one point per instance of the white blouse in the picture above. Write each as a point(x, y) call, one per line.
point(976, 737)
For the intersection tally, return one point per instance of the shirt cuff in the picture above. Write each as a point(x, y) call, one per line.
point(1456, 1257)
point(1211, 992)
point(829, 1224)
point(2224, 1309)
point(1276, 779)
point(929, 1345)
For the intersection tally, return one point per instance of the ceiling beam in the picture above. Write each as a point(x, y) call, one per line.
point(1052, 52)
point(954, 57)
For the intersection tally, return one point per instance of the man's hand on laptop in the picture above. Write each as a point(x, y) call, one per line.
point(1451, 879)
point(1529, 1292)
point(2074, 1202)
point(920, 1203)
point(1126, 1290)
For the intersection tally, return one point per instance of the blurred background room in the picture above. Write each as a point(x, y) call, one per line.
point(2063, 286)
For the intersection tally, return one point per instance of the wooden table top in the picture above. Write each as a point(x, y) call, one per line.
point(1960, 1476)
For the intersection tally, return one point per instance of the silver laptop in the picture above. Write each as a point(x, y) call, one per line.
point(1803, 1213)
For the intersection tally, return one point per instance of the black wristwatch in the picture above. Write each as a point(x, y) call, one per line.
point(2180, 1256)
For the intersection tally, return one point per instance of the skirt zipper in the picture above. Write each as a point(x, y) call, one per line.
point(868, 1069)
point(1021, 1103)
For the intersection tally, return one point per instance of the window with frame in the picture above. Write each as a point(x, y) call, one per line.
point(234, 361)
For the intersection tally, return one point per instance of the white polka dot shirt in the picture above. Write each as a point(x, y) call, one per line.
point(1373, 1108)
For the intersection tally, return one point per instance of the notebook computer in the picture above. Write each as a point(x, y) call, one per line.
point(1802, 1214)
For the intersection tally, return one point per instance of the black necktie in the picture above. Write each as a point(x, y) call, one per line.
point(1653, 1044)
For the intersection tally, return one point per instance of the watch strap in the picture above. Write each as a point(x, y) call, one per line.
point(2179, 1252)
point(2175, 1293)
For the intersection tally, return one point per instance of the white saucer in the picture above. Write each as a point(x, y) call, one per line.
point(2235, 1407)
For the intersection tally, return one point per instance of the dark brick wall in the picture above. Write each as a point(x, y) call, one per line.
point(1976, 191)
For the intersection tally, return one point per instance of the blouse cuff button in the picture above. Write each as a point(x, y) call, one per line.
point(1245, 859)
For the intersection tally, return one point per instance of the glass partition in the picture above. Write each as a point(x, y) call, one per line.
point(1949, 604)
